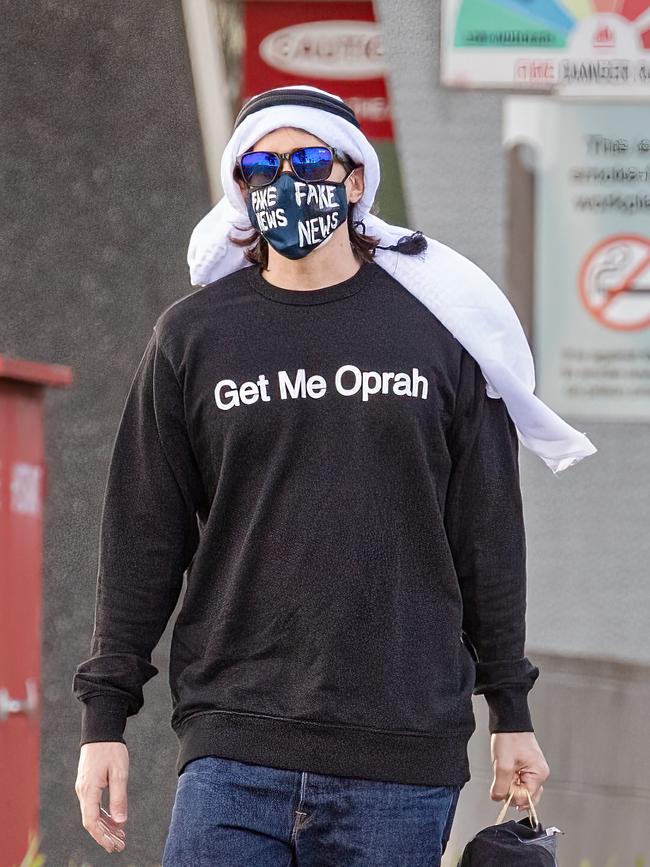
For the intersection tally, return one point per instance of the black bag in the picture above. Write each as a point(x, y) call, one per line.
point(525, 843)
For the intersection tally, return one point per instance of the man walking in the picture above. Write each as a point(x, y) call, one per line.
point(320, 455)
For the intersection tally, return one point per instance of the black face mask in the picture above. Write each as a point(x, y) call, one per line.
point(294, 216)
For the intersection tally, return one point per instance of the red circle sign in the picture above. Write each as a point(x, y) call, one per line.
point(614, 282)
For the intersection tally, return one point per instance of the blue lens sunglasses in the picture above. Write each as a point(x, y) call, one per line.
point(309, 164)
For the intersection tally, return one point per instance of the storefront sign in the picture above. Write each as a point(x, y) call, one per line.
point(337, 47)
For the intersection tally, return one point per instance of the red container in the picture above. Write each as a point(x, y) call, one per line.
point(23, 481)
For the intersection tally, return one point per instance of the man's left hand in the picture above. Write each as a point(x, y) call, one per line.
point(517, 761)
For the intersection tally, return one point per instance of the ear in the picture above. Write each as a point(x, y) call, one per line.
point(243, 187)
point(355, 185)
point(241, 183)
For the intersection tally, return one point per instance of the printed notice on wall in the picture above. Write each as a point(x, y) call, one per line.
point(568, 47)
point(591, 330)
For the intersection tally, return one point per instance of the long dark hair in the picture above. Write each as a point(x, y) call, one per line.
point(363, 245)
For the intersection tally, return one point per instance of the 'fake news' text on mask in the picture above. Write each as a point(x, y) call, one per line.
point(295, 217)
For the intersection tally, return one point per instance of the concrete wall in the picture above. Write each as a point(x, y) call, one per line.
point(588, 549)
point(103, 180)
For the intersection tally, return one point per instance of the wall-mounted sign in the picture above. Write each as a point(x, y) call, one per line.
point(591, 323)
point(571, 47)
point(336, 50)
point(338, 47)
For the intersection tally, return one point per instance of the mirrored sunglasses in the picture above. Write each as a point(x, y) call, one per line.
point(313, 163)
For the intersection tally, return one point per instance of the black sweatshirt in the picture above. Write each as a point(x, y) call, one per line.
point(344, 498)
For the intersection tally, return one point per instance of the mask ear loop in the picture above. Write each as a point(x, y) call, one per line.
point(410, 245)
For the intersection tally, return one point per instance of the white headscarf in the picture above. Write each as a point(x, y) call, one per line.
point(459, 293)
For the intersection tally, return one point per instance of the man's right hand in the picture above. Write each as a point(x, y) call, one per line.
point(101, 765)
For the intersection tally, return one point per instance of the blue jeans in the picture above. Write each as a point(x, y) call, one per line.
point(235, 814)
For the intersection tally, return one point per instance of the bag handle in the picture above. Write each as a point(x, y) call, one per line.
point(531, 808)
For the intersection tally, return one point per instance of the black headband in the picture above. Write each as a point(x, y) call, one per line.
point(297, 96)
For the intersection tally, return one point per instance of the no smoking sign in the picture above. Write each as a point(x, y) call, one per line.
point(614, 282)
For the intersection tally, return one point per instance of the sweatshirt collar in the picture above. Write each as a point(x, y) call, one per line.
point(309, 296)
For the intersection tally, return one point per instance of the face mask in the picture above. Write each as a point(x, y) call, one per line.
point(294, 216)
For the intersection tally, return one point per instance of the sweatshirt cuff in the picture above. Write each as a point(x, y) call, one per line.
point(506, 684)
point(508, 710)
point(103, 718)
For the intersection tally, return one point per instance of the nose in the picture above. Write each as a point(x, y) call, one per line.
point(286, 160)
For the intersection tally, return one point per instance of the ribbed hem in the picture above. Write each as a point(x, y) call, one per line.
point(103, 718)
point(326, 749)
point(506, 685)
point(509, 710)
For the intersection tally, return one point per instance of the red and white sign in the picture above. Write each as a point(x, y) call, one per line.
point(335, 46)
point(335, 50)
